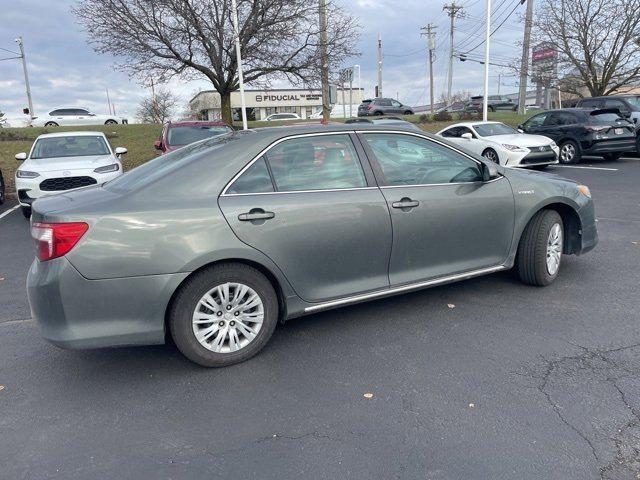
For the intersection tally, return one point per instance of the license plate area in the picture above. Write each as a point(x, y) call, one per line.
point(619, 131)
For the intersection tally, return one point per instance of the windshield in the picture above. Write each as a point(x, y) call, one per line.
point(187, 134)
point(152, 170)
point(80, 146)
point(490, 129)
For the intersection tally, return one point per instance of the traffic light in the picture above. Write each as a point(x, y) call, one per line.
point(462, 57)
point(25, 111)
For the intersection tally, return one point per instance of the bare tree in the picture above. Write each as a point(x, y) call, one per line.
point(157, 108)
point(279, 39)
point(596, 40)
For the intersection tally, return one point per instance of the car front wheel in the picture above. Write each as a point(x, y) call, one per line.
point(51, 124)
point(569, 152)
point(110, 122)
point(490, 154)
point(540, 249)
point(26, 211)
point(223, 315)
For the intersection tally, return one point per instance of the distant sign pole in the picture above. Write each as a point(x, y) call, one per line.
point(26, 77)
point(236, 31)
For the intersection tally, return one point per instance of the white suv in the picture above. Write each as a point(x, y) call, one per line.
point(74, 116)
point(64, 161)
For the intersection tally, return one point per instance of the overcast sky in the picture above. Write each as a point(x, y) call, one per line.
point(64, 70)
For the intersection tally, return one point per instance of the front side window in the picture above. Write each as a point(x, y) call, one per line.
point(396, 104)
point(321, 162)
point(255, 179)
point(536, 121)
point(409, 160)
point(80, 146)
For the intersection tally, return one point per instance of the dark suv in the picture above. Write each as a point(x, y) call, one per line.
point(495, 103)
point(383, 106)
point(581, 132)
point(627, 105)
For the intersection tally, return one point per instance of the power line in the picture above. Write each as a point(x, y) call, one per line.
point(498, 27)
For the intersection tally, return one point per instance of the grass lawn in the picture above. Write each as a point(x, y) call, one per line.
point(138, 139)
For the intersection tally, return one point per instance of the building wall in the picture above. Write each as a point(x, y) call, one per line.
point(262, 103)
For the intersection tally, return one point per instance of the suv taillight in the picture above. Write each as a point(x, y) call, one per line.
point(54, 240)
point(596, 128)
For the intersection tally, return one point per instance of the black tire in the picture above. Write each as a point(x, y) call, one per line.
point(408, 112)
point(612, 157)
point(378, 113)
point(26, 211)
point(532, 250)
point(2, 190)
point(185, 301)
point(576, 156)
point(110, 122)
point(540, 167)
point(491, 154)
point(51, 124)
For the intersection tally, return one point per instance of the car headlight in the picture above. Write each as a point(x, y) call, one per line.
point(584, 190)
point(26, 174)
point(114, 167)
point(513, 148)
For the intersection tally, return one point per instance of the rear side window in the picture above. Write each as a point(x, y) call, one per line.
point(590, 103)
point(321, 162)
point(255, 179)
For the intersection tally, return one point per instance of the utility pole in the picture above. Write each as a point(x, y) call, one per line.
point(485, 100)
point(524, 64)
point(430, 32)
point(379, 66)
point(324, 61)
point(236, 33)
point(109, 102)
point(452, 11)
point(499, 82)
point(26, 76)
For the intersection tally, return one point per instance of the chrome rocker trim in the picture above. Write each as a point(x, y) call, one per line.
point(403, 288)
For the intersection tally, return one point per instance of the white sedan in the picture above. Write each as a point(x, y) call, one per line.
point(502, 144)
point(64, 161)
point(74, 116)
point(279, 117)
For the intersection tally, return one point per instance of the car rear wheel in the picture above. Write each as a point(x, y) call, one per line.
point(490, 154)
point(110, 122)
point(223, 315)
point(540, 249)
point(378, 113)
point(51, 124)
point(408, 112)
point(26, 211)
point(569, 152)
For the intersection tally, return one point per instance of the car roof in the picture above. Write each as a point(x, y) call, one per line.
point(203, 123)
point(82, 133)
point(70, 108)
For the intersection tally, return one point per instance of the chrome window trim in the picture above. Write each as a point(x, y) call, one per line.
point(280, 140)
point(403, 288)
point(345, 132)
point(442, 184)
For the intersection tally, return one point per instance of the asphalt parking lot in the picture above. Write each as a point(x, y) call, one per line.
point(484, 379)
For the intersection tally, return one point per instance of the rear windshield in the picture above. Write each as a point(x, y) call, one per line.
point(366, 101)
point(70, 146)
point(186, 134)
point(606, 117)
point(158, 167)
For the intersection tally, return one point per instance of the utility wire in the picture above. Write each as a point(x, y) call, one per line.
point(498, 27)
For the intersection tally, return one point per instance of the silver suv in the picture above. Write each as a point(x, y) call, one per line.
point(383, 106)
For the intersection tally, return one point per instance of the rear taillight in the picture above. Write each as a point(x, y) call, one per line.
point(596, 128)
point(369, 107)
point(54, 240)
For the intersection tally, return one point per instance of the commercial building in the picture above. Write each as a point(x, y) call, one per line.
point(262, 103)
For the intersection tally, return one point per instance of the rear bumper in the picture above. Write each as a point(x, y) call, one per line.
point(74, 312)
point(627, 144)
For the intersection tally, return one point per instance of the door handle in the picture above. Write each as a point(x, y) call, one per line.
point(405, 203)
point(255, 214)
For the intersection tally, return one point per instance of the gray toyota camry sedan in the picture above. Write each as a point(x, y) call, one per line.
point(216, 242)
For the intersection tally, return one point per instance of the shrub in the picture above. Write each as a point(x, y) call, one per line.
point(442, 117)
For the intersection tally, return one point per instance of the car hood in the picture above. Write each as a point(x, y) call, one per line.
point(67, 163)
point(520, 139)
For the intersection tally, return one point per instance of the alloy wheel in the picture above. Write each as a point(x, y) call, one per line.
point(554, 249)
point(567, 153)
point(491, 155)
point(228, 317)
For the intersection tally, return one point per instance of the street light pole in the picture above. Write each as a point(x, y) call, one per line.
point(485, 100)
point(236, 31)
point(26, 76)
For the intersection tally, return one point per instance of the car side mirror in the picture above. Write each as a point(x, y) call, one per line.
point(520, 128)
point(489, 171)
point(21, 156)
point(120, 151)
point(158, 144)
point(466, 135)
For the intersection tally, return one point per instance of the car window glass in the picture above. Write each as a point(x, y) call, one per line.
point(55, 112)
point(396, 104)
point(536, 121)
point(452, 132)
point(410, 160)
point(612, 103)
point(384, 103)
point(591, 103)
point(185, 134)
point(65, 111)
point(316, 163)
point(255, 179)
point(490, 129)
point(79, 111)
point(69, 146)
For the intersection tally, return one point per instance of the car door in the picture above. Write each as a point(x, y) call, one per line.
point(83, 117)
point(312, 206)
point(396, 107)
point(473, 144)
point(445, 218)
point(59, 116)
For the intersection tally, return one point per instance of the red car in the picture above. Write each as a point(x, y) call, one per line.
point(178, 134)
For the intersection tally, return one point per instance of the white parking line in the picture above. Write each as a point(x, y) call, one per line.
point(4, 214)
point(588, 168)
